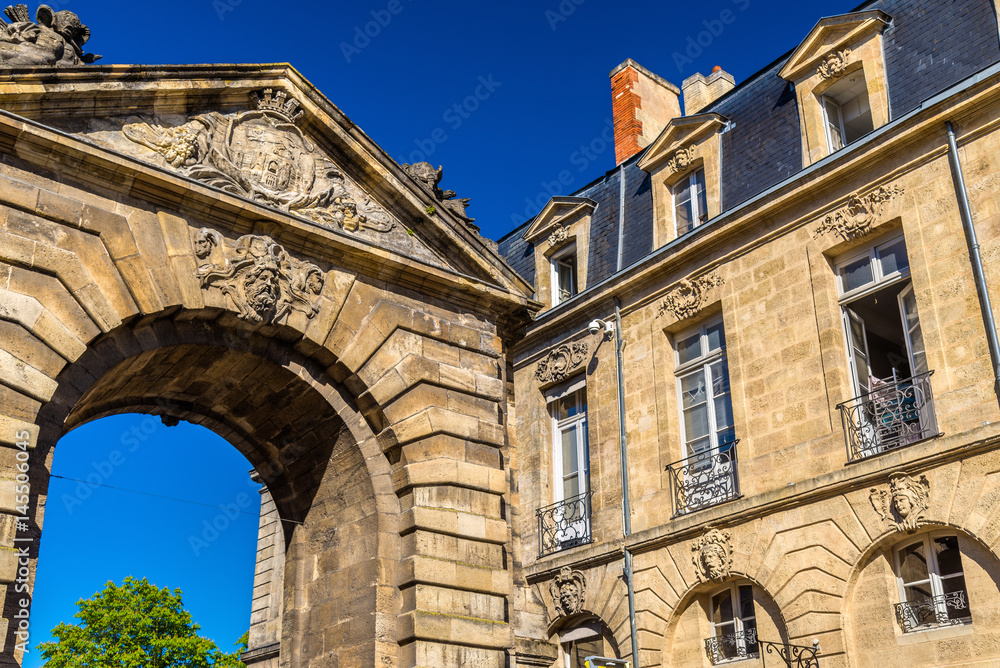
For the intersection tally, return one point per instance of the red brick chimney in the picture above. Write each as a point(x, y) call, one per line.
point(642, 104)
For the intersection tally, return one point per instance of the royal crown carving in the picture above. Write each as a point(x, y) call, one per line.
point(264, 282)
point(713, 556)
point(688, 296)
point(834, 64)
point(681, 159)
point(54, 39)
point(561, 362)
point(568, 591)
point(858, 216)
point(264, 156)
point(905, 502)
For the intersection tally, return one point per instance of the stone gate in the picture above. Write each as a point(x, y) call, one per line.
point(222, 245)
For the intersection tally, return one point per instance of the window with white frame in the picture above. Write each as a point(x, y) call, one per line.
point(570, 515)
point(690, 207)
point(734, 624)
point(885, 342)
point(703, 391)
point(847, 111)
point(931, 583)
point(563, 266)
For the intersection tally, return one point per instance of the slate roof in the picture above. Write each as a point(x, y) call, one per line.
point(928, 47)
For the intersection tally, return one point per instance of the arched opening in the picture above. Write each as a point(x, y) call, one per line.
point(96, 532)
point(299, 430)
point(717, 623)
point(582, 637)
point(925, 597)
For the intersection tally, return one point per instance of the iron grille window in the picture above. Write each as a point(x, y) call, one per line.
point(734, 625)
point(566, 523)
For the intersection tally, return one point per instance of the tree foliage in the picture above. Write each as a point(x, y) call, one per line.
point(135, 625)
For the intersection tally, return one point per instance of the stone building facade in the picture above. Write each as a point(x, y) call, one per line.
point(797, 449)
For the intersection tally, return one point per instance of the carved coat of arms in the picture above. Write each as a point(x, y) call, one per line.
point(264, 156)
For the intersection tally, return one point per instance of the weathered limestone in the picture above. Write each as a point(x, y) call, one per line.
point(314, 313)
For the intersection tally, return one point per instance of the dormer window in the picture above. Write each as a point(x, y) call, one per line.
point(848, 111)
point(838, 73)
point(564, 275)
point(690, 205)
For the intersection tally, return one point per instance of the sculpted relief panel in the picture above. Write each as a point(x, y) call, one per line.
point(263, 281)
point(262, 155)
point(904, 503)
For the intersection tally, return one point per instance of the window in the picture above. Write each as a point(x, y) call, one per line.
point(847, 111)
point(566, 523)
point(703, 386)
point(931, 583)
point(707, 474)
point(690, 207)
point(563, 275)
point(885, 351)
point(734, 625)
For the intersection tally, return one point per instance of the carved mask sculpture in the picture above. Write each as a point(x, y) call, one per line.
point(712, 556)
point(258, 275)
point(568, 590)
point(905, 502)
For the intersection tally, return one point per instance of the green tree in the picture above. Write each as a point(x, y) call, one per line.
point(135, 625)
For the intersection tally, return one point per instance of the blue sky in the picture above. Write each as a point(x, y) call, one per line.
point(397, 68)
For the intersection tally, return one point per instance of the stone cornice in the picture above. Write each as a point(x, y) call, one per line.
point(859, 475)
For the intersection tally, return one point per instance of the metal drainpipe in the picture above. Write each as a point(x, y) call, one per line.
point(626, 510)
point(977, 260)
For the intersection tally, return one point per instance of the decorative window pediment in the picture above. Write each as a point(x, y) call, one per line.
point(686, 146)
point(839, 76)
point(560, 235)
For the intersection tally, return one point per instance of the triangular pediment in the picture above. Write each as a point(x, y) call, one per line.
point(832, 34)
point(677, 133)
point(558, 212)
point(263, 135)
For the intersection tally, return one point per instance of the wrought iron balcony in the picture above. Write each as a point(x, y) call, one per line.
point(746, 645)
point(945, 610)
point(564, 524)
point(732, 647)
point(891, 415)
point(704, 480)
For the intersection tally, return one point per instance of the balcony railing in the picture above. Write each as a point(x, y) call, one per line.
point(891, 415)
point(704, 480)
point(945, 610)
point(732, 647)
point(564, 524)
point(746, 645)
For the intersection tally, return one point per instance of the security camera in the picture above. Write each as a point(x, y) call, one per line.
point(595, 326)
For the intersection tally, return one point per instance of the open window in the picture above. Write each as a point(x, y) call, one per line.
point(886, 353)
point(690, 204)
point(931, 583)
point(563, 266)
point(733, 620)
point(847, 111)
